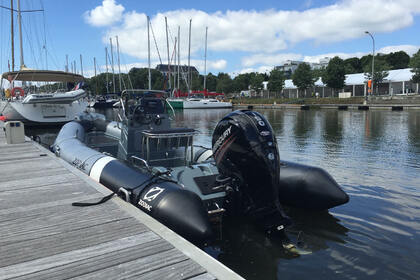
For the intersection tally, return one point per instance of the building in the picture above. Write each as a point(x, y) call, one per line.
point(323, 63)
point(164, 69)
point(398, 82)
point(290, 66)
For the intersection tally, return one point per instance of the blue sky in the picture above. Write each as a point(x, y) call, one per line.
point(243, 35)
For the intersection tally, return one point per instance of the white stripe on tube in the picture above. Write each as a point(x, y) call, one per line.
point(98, 166)
point(205, 156)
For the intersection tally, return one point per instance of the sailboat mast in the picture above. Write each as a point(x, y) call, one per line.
point(96, 80)
point(205, 63)
point(67, 63)
point(81, 65)
point(179, 42)
point(112, 64)
point(94, 65)
point(22, 63)
point(119, 66)
point(189, 56)
point(148, 51)
point(106, 63)
point(13, 36)
point(169, 59)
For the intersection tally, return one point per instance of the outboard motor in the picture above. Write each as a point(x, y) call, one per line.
point(245, 149)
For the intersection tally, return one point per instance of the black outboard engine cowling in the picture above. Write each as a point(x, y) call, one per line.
point(245, 149)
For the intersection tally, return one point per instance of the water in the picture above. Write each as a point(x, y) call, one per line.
point(375, 157)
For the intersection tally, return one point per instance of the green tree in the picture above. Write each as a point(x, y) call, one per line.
point(197, 81)
point(276, 81)
point(353, 65)
point(241, 82)
point(224, 83)
point(303, 77)
point(211, 82)
point(256, 81)
point(415, 64)
point(398, 60)
point(380, 72)
point(335, 74)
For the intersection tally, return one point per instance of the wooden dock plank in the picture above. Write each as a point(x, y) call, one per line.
point(101, 261)
point(176, 271)
point(14, 253)
point(141, 266)
point(44, 237)
point(28, 174)
point(90, 259)
point(42, 194)
point(37, 181)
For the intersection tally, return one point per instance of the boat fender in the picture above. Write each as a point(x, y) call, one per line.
point(19, 89)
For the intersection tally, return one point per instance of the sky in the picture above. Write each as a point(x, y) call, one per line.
point(243, 36)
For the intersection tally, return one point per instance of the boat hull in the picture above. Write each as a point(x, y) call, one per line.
point(198, 104)
point(42, 113)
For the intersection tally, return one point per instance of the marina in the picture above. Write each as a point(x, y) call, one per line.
point(45, 237)
point(204, 141)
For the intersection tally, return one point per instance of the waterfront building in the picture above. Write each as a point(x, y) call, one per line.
point(398, 82)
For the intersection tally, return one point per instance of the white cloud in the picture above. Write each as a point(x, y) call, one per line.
point(266, 31)
point(270, 59)
point(280, 58)
point(409, 49)
point(106, 14)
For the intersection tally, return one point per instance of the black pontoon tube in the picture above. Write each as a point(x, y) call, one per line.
point(179, 209)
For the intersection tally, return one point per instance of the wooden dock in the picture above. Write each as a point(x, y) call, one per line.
point(44, 237)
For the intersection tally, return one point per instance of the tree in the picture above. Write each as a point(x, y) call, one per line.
point(276, 81)
point(380, 72)
point(256, 81)
point(197, 81)
point(242, 82)
point(335, 74)
point(318, 73)
point(224, 83)
point(353, 65)
point(211, 82)
point(303, 77)
point(397, 60)
point(415, 64)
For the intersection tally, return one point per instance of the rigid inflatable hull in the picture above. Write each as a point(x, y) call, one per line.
point(308, 187)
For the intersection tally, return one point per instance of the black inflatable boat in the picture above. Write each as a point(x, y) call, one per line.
point(158, 169)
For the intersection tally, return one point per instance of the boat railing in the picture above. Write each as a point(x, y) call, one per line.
point(168, 148)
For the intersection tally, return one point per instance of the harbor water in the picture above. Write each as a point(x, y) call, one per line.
point(375, 157)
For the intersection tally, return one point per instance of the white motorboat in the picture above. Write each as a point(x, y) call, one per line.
point(198, 103)
point(204, 103)
point(42, 108)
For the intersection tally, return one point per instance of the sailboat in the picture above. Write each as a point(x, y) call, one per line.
point(25, 104)
point(197, 102)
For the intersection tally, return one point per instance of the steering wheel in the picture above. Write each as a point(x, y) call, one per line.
point(139, 115)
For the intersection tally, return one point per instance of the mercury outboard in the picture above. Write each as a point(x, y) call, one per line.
point(245, 150)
